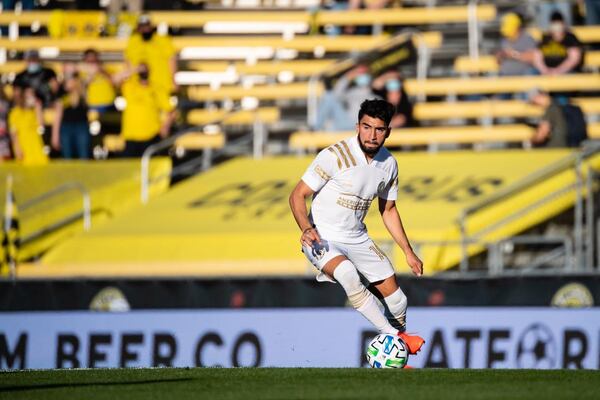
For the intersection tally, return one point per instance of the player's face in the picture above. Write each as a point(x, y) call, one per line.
point(372, 133)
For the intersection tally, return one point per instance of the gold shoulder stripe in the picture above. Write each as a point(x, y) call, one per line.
point(349, 153)
point(339, 162)
point(337, 146)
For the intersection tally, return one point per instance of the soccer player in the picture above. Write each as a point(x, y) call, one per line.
point(343, 180)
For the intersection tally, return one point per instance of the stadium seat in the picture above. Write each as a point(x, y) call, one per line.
point(493, 109)
point(298, 90)
point(266, 115)
point(488, 64)
point(190, 141)
point(422, 136)
point(503, 84)
point(343, 43)
point(197, 19)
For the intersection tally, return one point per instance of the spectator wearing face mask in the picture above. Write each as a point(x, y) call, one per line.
point(157, 51)
point(24, 128)
point(99, 86)
point(389, 86)
point(559, 52)
point(41, 79)
point(338, 107)
point(148, 113)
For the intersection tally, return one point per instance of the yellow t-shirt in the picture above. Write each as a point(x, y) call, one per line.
point(100, 91)
point(142, 114)
point(24, 123)
point(156, 53)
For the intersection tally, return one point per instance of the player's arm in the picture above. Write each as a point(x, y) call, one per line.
point(298, 205)
point(393, 223)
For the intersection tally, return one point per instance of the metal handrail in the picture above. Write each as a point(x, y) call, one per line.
point(86, 206)
point(164, 144)
point(574, 160)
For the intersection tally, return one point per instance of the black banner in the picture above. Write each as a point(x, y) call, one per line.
point(398, 52)
point(106, 294)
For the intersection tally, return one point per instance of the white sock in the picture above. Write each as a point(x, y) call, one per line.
point(360, 298)
point(396, 304)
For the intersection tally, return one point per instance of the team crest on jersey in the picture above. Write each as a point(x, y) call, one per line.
point(380, 187)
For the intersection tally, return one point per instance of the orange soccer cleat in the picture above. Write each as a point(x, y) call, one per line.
point(413, 342)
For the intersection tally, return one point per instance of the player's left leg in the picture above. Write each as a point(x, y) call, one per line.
point(395, 303)
point(375, 266)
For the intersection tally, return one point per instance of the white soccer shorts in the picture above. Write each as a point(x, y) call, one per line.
point(367, 257)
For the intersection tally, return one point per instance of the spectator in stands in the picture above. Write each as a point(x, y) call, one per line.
point(11, 5)
point(157, 51)
point(551, 131)
point(70, 128)
point(148, 115)
point(341, 104)
point(559, 52)
point(5, 151)
point(24, 126)
point(115, 7)
point(517, 48)
point(99, 86)
point(41, 79)
point(364, 4)
point(390, 87)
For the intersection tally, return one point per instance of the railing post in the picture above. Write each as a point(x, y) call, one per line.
point(589, 219)
point(578, 228)
point(144, 175)
point(464, 260)
point(473, 28)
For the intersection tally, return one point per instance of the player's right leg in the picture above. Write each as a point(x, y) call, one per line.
point(334, 265)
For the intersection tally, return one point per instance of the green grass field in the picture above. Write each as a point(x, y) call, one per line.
point(279, 383)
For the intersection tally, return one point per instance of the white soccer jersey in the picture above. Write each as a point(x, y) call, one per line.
point(345, 184)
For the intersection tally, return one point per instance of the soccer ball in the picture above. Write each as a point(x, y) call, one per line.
point(387, 351)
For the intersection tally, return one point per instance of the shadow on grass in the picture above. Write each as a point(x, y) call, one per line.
point(20, 388)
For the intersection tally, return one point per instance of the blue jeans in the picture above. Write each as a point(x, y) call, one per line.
point(331, 108)
point(75, 141)
point(10, 4)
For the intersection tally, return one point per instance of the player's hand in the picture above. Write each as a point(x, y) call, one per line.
point(414, 263)
point(309, 236)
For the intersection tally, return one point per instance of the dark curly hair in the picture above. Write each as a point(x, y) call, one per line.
point(376, 108)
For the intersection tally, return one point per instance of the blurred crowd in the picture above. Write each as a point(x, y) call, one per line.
point(82, 93)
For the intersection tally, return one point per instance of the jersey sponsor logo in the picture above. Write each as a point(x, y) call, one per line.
point(354, 204)
point(380, 187)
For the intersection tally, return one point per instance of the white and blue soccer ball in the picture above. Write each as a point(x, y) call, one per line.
point(387, 351)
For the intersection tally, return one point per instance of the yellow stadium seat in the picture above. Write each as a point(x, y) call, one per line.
point(492, 109)
point(502, 84)
point(297, 90)
point(489, 64)
point(266, 115)
point(422, 136)
point(190, 141)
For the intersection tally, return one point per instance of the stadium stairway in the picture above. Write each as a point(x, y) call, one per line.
point(49, 198)
point(234, 220)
